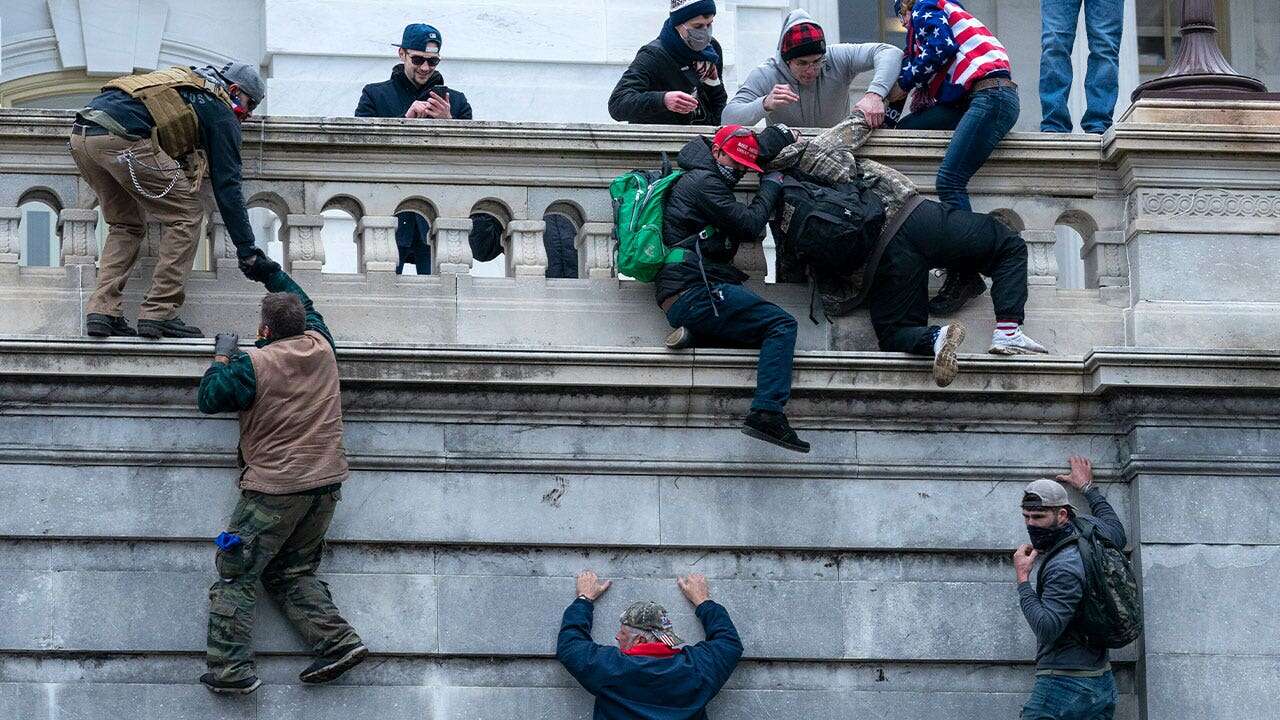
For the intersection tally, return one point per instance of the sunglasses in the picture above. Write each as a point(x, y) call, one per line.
point(431, 60)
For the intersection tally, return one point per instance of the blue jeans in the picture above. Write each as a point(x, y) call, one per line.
point(1057, 697)
point(1103, 24)
point(746, 320)
point(981, 126)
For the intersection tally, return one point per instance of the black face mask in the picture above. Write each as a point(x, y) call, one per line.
point(1043, 539)
point(732, 175)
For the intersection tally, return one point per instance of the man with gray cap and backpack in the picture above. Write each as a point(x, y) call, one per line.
point(144, 145)
point(1073, 674)
point(652, 674)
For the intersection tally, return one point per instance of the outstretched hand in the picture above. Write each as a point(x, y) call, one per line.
point(695, 588)
point(1081, 475)
point(590, 586)
point(258, 267)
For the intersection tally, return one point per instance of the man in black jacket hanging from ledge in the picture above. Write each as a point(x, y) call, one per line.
point(416, 90)
point(702, 294)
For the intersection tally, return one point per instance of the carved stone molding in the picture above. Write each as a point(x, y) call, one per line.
point(595, 250)
point(1206, 202)
point(528, 257)
point(10, 243)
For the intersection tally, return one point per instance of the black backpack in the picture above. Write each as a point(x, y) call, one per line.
point(1110, 613)
point(830, 229)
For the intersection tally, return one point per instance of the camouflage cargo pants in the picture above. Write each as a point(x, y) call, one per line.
point(283, 539)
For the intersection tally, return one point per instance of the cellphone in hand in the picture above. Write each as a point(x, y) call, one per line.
point(441, 92)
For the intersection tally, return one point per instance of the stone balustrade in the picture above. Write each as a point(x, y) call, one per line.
point(1153, 219)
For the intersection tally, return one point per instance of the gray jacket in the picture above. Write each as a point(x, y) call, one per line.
point(827, 101)
point(1049, 609)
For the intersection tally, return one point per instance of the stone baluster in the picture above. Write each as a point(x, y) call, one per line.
point(452, 254)
point(78, 229)
point(1042, 261)
point(751, 260)
point(223, 250)
point(595, 250)
point(10, 242)
point(378, 243)
point(526, 255)
point(305, 249)
point(1106, 262)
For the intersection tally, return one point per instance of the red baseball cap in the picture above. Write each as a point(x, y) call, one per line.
point(740, 144)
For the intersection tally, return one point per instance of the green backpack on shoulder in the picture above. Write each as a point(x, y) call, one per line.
point(639, 199)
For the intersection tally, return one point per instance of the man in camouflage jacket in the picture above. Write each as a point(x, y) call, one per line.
point(917, 235)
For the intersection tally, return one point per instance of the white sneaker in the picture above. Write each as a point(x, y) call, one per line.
point(945, 364)
point(1015, 344)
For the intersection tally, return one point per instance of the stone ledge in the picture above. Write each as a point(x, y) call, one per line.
point(1102, 370)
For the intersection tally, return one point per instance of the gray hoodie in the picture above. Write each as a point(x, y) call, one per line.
point(826, 102)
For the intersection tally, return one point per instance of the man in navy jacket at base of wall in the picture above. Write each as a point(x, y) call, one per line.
point(652, 674)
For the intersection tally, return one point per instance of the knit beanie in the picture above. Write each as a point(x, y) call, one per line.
point(803, 39)
point(683, 11)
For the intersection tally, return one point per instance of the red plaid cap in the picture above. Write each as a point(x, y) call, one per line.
point(803, 39)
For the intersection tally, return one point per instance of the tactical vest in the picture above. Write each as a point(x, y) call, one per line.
point(177, 128)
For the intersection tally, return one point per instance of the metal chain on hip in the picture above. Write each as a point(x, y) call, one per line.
point(128, 158)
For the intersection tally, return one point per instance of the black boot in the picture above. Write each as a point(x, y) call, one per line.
point(334, 664)
point(99, 325)
point(959, 288)
point(174, 328)
point(772, 427)
point(235, 687)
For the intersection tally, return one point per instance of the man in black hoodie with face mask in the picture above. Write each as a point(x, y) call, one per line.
point(1073, 678)
point(416, 90)
point(701, 291)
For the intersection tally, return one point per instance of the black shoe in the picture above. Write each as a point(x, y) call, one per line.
point(958, 289)
point(339, 661)
point(99, 325)
point(174, 328)
point(679, 339)
point(772, 427)
point(236, 687)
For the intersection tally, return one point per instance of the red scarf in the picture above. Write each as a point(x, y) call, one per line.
point(652, 649)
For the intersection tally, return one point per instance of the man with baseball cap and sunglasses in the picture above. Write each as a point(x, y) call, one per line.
point(416, 90)
point(702, 293)
point(652, 673)
point(1073, 678)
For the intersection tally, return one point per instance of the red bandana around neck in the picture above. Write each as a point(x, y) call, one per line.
point(652, 649)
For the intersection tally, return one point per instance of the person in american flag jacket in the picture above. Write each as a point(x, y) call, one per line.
point(959, 78)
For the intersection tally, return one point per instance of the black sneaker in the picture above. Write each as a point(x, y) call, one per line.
point(772, 427)
point(958, 289)
point(99, 325)
point(174, 328)
point(679, 339)
point(235, 687)
point(339, 661)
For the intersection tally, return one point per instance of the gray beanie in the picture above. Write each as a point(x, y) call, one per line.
point(246, 77)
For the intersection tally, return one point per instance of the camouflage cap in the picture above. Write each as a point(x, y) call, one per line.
point(1043, 494)
point(650, 617)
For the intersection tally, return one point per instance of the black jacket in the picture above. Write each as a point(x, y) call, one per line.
point(219, 138)
point(392, 98)
point(638, 96)
point(704, 198)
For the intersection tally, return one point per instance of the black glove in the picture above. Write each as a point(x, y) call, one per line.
point(227, 344)
point(258, 267)
point(772, 140)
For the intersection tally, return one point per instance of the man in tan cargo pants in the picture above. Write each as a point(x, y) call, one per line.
point(142, 146)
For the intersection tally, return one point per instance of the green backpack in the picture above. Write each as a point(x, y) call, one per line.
point(639, 198)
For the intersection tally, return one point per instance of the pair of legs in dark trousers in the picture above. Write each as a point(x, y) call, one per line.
point(937, 236)
point(744, 320)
